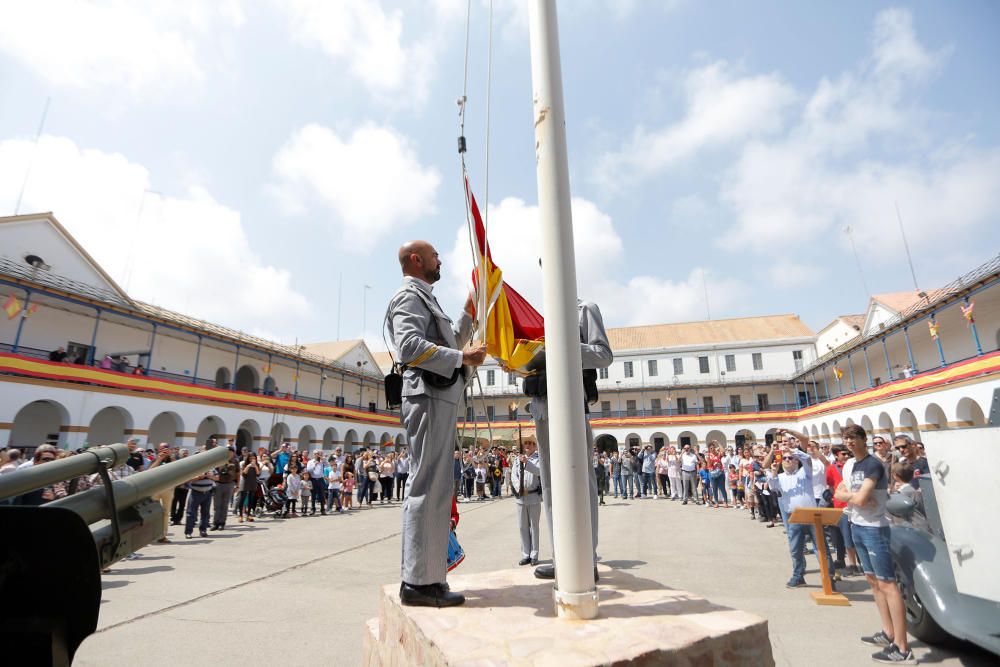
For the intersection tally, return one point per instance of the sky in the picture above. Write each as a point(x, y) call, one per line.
point(257, 164)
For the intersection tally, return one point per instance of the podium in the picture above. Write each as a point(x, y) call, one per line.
point(818, 517)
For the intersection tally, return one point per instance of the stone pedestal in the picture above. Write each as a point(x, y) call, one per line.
point(508, 619)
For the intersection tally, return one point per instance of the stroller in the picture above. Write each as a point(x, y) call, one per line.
point(269, 499)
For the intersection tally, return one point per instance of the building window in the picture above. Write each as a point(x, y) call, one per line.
point(512, 379)
point(372, 407)
point(630, 408)
point(682, 406)
point(339, 401)
point(678, 366)
point(656, 406)
point(490, 412)
point(470, 415)
point(652, 367)
point(602, 373)
point(703, 364)
point(628, 369)
point(758, 361)
point(708, 403)
point(605, 408)
point(797, 358)
point(762, 403)
point(735, 405)
point(730, 363)
point(512, 414)
point(491, 378)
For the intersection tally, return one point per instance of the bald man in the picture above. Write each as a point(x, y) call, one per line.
point(430, 346)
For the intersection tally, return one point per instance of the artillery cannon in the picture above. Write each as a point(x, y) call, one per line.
point(51, 556)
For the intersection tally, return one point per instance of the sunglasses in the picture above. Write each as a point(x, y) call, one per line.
point(47, 458)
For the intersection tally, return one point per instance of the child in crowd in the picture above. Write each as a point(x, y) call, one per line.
point(347, 497)
point(902, 473)
point(481, 480)
point(307, 495)
point(734, 486)
point(705, 478)
point(333, 483)
point(293, 489)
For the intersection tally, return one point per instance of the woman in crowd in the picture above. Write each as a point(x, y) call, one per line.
point(662, 473)
point(372, 475)
point(249, 474)
point(386, 476)
point(716, 474)
point(674, 472)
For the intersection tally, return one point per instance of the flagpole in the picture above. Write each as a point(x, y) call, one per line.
point(575, 593)
point(31, 159)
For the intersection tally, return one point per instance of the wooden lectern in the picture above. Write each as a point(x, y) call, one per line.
point(819, 517)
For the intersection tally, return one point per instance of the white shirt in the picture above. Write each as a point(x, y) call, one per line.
point(334, 477)
point(689, 461)
point(818, 475)
point(315, 468)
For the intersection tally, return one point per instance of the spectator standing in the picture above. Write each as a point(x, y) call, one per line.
point(796, 487)
point(674, 472)
point(59, 355)
point(334, 481)
point(716, 474)
point(615, 464)
point(403, 473)
point(281, 460)
point(456, 472)
point(648, 472)
point(662, 476)
point(293, 490)
point(628, 481)
point(164, 497)
point(199, 503)
point(865, 489)
point(225, 482)
point(601, 473)
point(527, 490)
point(249, 474)
point(847, 557)
point(347, 497)
point(908, 453)
point(11, 461)
point(317, 475)
point(387, 472)
point(689, 475)
point(469, 476)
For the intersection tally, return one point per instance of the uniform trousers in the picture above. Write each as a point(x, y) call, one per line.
point(430, 430)
point(528, 519)
point(542, 434)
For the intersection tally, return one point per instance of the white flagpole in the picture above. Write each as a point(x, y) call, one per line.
point(575, 592)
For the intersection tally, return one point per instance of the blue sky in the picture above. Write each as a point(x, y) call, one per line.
point(232, 160)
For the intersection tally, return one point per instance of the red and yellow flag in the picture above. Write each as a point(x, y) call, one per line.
point(514, 329)
point(12, 306)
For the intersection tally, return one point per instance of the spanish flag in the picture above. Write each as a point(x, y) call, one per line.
point(514, 329)
point(12, 306)
point(839, 373)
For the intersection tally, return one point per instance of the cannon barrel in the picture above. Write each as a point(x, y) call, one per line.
point(88, 462)
point(92, 505)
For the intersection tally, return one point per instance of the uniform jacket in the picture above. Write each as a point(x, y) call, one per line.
point(595, 349)
point(532, 481)
point(426, 339)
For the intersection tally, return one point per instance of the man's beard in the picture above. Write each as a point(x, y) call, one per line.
point(433, 276)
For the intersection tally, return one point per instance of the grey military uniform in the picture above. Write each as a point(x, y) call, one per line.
point(596, 352)
point(427, 340)
point(528, 502)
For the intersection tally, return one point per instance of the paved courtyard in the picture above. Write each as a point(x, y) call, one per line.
point(298, 591)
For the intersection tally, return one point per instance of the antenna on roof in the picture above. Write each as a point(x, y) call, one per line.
point(861, 272)
point(31, 160)
point(906, 246)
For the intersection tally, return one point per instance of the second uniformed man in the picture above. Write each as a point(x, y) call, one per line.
point(430, 346)
point(525, 479)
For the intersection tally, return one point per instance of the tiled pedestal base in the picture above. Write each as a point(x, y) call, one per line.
point(508, 619)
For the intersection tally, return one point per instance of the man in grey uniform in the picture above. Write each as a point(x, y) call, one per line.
point(596, 353)
point(430, 347)
point(527, 485)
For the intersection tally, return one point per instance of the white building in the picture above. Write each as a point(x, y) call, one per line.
point(201, 380)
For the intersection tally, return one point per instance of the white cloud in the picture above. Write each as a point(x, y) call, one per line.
point(369, 40)
point(827, 173)
point(99, 45)
point(721, 109)
point(188, 253)
point(515, 241)
point(371, 182)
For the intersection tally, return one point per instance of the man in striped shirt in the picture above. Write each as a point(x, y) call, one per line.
point(199, 500)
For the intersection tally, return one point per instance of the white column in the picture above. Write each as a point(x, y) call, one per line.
point(575, 592)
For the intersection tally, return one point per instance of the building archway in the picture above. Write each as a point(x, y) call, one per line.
point(247, 379)
point(837, 439)
point(606, 443)
point(350, 440)
point(769, 435)
point(633, 441)
point(718, 436)
point(745, 437)
point(908, 424)
point(687, 438)
point(164, 428)
point(385, 440)
point(886, 426)
point(108, 426)
point(306, 436)
point(210, 427)
point(369, 439)
point(659, 440)
point(934, 417)
point(824, 434)
point(400, 440)
point(280, 433)
point(270, 386)
point(968, 413)
point(867, 425)
point(39, 423)
point(222, 378)
point(329, 438)
point(246, 436)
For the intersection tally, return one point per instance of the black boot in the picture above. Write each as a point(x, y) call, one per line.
point(431, 595)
